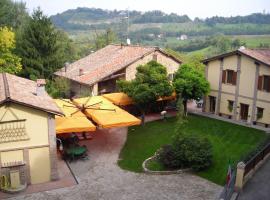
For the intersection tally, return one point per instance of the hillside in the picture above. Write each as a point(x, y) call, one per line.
point(165, 30)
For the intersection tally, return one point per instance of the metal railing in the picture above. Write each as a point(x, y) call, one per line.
point(251, 163)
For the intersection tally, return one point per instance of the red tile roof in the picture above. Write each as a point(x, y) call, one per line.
point(259, 55)
point(23, 91)
point(105, 62)
point(262, 55)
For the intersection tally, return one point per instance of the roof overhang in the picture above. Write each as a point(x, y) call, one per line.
point(236, 52)
point(8, 100)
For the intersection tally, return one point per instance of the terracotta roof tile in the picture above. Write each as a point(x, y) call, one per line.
point(260, 55)
point(104, 62)
point(23, 91)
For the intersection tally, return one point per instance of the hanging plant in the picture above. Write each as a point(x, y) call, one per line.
point(230, 108)
point(259, 115)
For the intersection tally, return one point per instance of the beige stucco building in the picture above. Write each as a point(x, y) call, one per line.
point(27, 133)
point(97, 73)
point(240, 85)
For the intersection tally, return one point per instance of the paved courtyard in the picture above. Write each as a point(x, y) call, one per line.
point(101, 178)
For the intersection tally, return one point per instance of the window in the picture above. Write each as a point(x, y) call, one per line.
point(229, 76)
point(264, 83)
point(230, 105)
point(171, 77)
point(259, 113)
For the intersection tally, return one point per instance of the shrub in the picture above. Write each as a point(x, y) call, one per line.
point(186, 152)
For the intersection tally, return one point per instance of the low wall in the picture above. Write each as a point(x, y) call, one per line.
point(148, 171)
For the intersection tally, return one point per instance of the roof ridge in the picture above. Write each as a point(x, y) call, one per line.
point(6, 87)
point(134, 45)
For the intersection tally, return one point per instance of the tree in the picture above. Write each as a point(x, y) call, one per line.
point(9, 62)
point(190, 83)
point(42, 47)
point(12, 14)
point(103, 39)
point(150, 83)
point(58, 88)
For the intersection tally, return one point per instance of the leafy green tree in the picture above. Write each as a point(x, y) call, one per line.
point(12, 13)
point(58, 87)
point(150, 83)
point(9, 62)
point(42, 47)
point(190, 83)
point(103, 39)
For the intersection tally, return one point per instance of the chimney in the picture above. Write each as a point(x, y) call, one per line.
point(80, 72)
point(66, 66)
point(41, 87)
point(128, 41)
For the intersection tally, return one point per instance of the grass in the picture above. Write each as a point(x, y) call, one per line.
point(253, 41)
point(230, 142)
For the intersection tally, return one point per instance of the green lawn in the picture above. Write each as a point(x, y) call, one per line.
point(230, 142)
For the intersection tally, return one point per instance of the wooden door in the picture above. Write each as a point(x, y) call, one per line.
point(244, 111)
point(212, 104)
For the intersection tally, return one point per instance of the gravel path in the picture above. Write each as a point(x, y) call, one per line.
point(101, 178)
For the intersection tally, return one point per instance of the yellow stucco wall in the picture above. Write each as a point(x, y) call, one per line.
point(229, 63)
point(39, 165)
point(247, 77)
point(246, 86)
point(207, 102)
point(264, 70)
point(224, 103)
point(36, 126)
point(11, 156)
point(169, 63)
point(244, 101)
point(38, 144)
point(213, 74)
point(266, 112)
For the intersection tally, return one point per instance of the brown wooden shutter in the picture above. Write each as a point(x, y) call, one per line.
point(260, 80)
point(224, 76)
point(234, 78)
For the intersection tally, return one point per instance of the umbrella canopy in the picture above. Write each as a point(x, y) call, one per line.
point(172, 97)
point(73, 121)
point(105, 113)
point(119, 98)
point(122, 99)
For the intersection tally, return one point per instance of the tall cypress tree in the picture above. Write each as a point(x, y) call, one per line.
point(38, 47)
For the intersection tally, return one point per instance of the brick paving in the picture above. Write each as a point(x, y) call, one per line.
point(101, 178)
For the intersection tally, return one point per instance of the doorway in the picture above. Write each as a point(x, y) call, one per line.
point(244, 111)
point(212, 106)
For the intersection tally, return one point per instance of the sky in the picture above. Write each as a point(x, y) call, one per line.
point(193, 8)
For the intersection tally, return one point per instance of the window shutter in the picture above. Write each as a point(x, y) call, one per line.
point(234, 78)
point(260, 80)
point(224, 76)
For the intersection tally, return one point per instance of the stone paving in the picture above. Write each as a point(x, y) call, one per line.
point(101, 178)
point(258, 186)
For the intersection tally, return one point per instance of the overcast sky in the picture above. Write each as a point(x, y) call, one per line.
point(193, 8)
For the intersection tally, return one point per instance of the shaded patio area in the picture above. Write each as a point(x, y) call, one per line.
point(66, 179)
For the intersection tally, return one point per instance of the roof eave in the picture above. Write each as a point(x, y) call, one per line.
point(31, 106)
point(221, 56)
